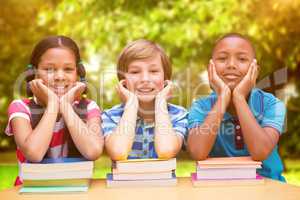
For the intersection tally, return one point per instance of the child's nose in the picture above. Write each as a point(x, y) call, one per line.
point(231, 63)
point(145, 76)
point(59, 75)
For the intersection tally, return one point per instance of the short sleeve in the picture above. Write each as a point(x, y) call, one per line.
point(93, 110)
point(110, 120)
point(179, 120)
point(17, 108)
point(198, 112)
point(274, 114)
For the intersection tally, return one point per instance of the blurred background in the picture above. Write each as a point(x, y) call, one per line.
point(186, 29)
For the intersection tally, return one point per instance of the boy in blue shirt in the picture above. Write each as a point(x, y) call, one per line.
point(145, 125)
point(237, 119)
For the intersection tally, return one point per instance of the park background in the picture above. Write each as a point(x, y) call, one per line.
point(186, 29)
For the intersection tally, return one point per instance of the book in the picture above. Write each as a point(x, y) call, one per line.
point(225, 161)
point(223, 173)
point(58, 175)
point(62, 168)
point(140, 183)
point(56, 182)
point(143, 165)
point(53, 189)
point(57, 165)
point(142, 176)
point(259, 180)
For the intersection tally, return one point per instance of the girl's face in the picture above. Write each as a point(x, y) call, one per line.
point(57, 68)
point(232, 57)
point(145, 78)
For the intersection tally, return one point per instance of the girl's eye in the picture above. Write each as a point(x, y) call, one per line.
point(221, 59)
point(69, 69)
point(49, 69)
point(243, 59)
point(133, 72)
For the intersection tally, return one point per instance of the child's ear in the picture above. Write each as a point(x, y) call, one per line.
point(124, 83)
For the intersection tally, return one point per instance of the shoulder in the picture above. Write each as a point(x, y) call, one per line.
point(266, 99)
point(19, 105)
point(204, 103)
point(113, 114)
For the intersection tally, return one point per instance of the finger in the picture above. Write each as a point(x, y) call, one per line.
point(254, 69)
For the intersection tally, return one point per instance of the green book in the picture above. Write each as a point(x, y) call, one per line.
point(53, 189)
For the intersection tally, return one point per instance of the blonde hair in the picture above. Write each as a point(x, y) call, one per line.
point(139, 50)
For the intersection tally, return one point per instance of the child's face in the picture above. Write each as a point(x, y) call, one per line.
point(57, 68)
point(232, 57)
point(145, 78)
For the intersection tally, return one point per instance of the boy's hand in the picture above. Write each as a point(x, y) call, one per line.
point(125, 94)
point(217, 84)
point(73, 94)
point(242, 90)
point(166, 92)
point(44, 95)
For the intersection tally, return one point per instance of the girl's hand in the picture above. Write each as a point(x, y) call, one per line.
point(242, 90)
point(217, 84)
point(44, 95)
point(166, 92)
point(124, 93)
point(73, 94)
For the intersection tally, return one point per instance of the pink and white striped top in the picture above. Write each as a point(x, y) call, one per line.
point(58, 146)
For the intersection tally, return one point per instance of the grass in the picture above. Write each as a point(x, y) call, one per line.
point(9, 169)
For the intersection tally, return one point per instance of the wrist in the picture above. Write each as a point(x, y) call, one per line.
point(132, 101)
point(64, 106)
point(52, 107)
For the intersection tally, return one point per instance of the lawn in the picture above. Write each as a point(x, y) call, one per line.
point(9, 169)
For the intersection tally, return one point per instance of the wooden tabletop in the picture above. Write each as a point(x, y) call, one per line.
point(184, 190)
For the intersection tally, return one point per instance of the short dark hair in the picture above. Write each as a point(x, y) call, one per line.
point(237, 35)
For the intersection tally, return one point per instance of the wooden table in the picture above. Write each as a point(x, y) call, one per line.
point(271, 190)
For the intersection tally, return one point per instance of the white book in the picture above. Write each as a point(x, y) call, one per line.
point(64, 175)
point(57, 167)
point(142, 176)
point(143, 165)
point(140, 183)
point(230, 173)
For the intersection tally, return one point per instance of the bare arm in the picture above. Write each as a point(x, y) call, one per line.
point(119, 143)
point(201, 139)
point(166, 141)
point(87, 137)
point(260, 141)
point(35, 143)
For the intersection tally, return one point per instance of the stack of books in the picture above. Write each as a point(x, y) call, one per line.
point(227, 171)
point(142, 172)
point(57, 175)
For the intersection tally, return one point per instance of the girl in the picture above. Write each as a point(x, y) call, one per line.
point(237, 119)
point(145, 125)
point(56, 122)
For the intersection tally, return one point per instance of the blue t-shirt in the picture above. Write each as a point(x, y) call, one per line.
point(268, 112)
point(143, 145)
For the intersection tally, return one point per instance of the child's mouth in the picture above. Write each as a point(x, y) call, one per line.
point(145, 90)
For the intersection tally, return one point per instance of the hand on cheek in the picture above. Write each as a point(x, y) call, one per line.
point(217, 84)
point(166, 92)
point(44, 95)
point(124, 93)
point(242, 90)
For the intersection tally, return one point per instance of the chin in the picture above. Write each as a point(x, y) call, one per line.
point(146, 98)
